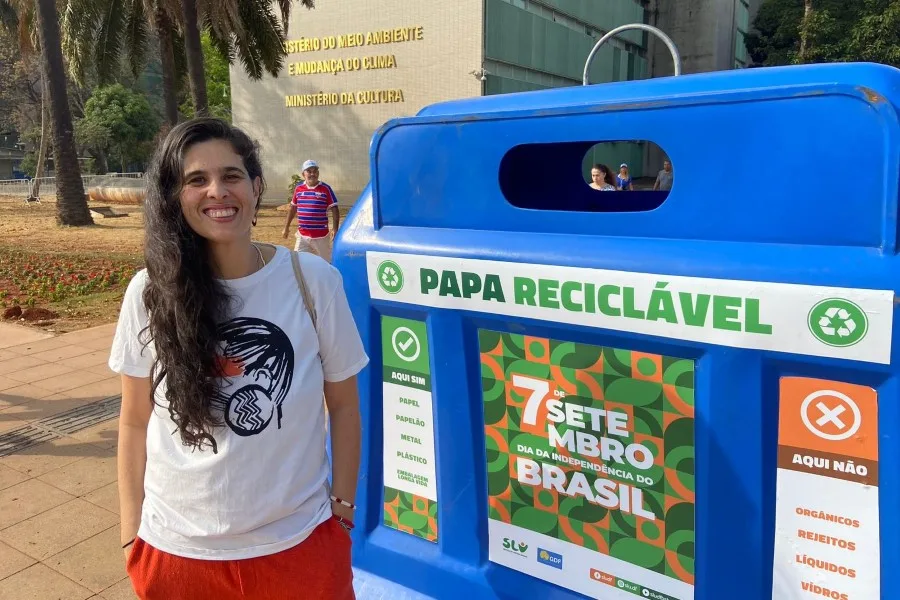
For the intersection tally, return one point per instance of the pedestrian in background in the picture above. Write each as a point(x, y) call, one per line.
point(602, 178)
point(313, 200)
point(664, 178)
point(623, 179)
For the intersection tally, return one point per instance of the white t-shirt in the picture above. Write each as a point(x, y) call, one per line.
point(266, 488)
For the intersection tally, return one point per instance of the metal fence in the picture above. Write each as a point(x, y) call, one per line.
point(24, 187)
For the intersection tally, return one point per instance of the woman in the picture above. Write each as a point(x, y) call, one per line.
point(224, 358)
point(623, 179)
point(602, 178)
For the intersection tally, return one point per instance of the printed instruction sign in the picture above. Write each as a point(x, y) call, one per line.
point(590, 461)
point(410, 486)
point(826, 512)
point(851, 324)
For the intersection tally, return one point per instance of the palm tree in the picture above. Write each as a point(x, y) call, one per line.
point(97, 34)
point(24, 28)
point(194, 53)
point(247, 29)
point(71, 203)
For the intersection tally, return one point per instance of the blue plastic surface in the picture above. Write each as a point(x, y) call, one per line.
point(782, 175)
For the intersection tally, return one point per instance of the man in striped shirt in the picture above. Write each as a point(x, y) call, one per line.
point(312, 201)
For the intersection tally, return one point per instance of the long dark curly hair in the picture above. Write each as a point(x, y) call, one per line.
point(185, 303)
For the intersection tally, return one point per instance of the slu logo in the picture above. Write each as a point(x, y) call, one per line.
point(838, 322)
point(390, 276)
point(516, 548)
point(552, 559)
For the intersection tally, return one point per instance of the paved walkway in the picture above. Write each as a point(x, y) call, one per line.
point(59, 533)
point(59, 505)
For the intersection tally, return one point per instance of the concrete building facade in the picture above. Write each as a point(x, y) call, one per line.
point(354, 64)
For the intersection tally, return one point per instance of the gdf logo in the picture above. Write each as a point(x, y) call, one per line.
point(838, 322)
point(390, 276)
point(551, 559)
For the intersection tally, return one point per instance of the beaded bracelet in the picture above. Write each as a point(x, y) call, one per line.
point(349, 505)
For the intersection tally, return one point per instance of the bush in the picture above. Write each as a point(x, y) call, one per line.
point(296, 179)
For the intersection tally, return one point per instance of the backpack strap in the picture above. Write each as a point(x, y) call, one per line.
point(304, 289)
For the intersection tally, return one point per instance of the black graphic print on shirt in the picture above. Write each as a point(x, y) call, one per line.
point(257, 359)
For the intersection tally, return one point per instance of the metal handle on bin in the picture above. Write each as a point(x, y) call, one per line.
point(676, 56)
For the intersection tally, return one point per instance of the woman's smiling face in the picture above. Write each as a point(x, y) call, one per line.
point(218, 198)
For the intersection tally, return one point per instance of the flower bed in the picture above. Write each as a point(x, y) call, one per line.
point(30, 278)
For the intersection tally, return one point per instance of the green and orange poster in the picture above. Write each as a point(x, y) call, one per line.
point(590, 464)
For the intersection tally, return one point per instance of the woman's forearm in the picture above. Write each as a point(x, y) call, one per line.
point(132, 460)
point(346, 433)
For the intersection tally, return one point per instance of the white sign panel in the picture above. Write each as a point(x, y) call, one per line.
point(853, 324)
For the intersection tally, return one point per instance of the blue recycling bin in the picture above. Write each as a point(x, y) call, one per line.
point(576, 394)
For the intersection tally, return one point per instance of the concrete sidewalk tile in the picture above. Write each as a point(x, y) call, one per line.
point(94, 358)
point(103, 343)
point(103, 370)
point(62, 352)
point(40, 582)
point(8, 353)
point(105, 435)
point(12, 561)
point(22, 393)
point(9, 422)
point(6, 383)
point(99, 331)
point(18, 335)
point(28, 499)
point(19, 363)
point(83, 476)
point(68, 380)
point(106, 497)
point(38, 373)
point(34, 410)
point(10, 477)
point(58, 529)
point(39, 346)
point(37, 460)
point(96, 563)
point(121, 591)
point(104, 386)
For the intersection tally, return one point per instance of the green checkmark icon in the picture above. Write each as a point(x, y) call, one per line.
point(404, 346)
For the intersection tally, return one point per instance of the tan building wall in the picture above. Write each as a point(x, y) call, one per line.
point(438, 43)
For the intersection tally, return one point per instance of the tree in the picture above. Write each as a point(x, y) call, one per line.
point(194, 53)
point(120, 122)
point(71, 202)
point(102, 32)
point(246, 30)
point(814, 31)
point(218, 82)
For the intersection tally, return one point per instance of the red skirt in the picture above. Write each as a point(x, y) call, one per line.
point(318, 567)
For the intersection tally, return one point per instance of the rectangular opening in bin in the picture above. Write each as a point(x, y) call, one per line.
point(573, 176)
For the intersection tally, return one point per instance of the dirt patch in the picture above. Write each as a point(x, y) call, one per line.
point(35, 314)
point(80, 273)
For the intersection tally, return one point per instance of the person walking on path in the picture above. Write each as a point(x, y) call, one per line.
point(623, 179)
point(313, 200)
point(664, 178)
point(602, 178)
point(226, 347)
